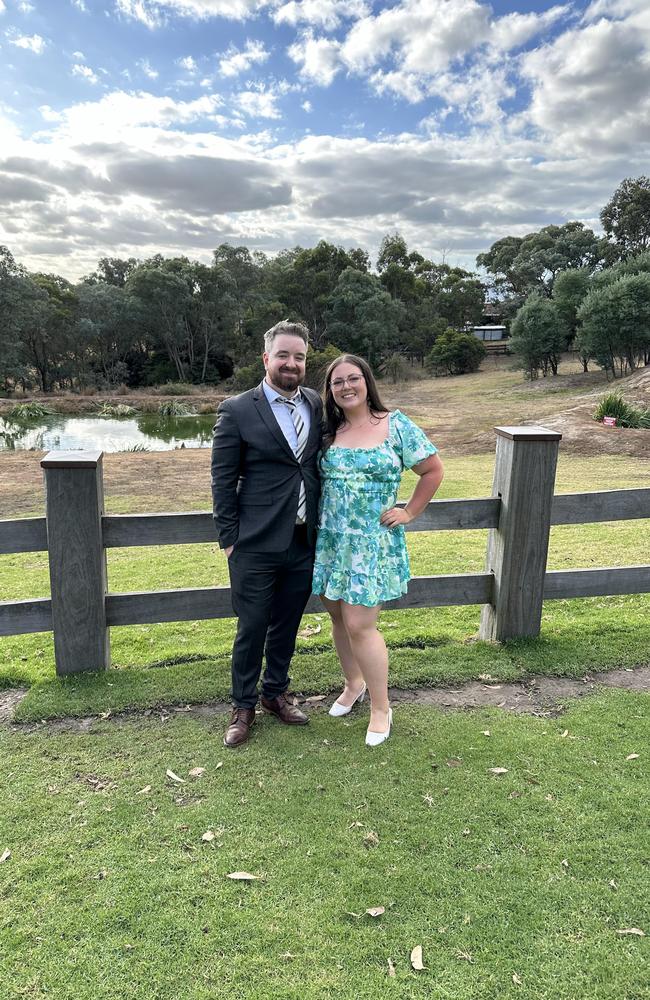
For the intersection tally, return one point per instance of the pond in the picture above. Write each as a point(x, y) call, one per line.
point(75, 432)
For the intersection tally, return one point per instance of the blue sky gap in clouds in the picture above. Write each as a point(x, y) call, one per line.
point(129, 127)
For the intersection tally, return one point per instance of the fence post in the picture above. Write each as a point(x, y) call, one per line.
point(524, 479)
point(74, 495)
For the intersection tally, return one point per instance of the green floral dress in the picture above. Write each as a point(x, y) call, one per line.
point(358, 560)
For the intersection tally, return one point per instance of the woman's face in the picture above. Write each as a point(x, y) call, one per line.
point(348, 386)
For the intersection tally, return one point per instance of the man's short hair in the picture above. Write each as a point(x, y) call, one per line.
point(285, 326)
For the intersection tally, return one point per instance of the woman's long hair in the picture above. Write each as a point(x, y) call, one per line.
point(334, 415)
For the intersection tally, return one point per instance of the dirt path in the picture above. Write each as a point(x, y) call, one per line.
point(541, 696)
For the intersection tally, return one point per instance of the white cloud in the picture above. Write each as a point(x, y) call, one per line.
point(34, 43)
point(80, 5)
point(318, 59)
point(187, 63)
point(25, 7)
point(258, 103)
point(326, 14)
point(307, 106)
point(118, 112)
point(153, 13)
point(2, 7)
point(514, 30)
point(236, 61)
point(591, 87)
point(147, 69)
point(85, 72)
point(425, 35)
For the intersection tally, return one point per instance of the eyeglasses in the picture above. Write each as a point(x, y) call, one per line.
point(352, 381)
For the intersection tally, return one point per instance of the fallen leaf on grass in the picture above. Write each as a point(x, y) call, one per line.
point(308, 631)
point(196, 772)
point(514, 795)
point(391, 967)
point(632, 756)
point(516, 980)
point(565, 733)
point(564, 862)
point(485, 732)
point(632, 930)
point(375, 911)
point(174, 777)
point(453, 762)
point(612, 884)
point(371, 839)
point(243, 876)
point(314, 698)
point(464, 956)
point(349, 913)
point(144, 791)
point(208, 836)
point(498, 770)
point(6, 854)
point(416, 958)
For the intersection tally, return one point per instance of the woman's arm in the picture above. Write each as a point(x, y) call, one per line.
point(430, 474)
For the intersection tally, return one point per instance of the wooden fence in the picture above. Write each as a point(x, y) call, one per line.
point(519, 514)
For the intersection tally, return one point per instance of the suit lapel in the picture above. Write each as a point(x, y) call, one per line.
point(266, 413)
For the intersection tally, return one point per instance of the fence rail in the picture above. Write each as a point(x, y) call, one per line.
point(76, 533)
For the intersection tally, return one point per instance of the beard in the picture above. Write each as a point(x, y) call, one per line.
point(287, 380)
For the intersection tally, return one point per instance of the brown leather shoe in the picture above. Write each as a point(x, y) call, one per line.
point(239, 729)
point(284, 710)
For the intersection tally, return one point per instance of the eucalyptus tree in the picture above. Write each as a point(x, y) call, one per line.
point(626, 217)
point(361, 317)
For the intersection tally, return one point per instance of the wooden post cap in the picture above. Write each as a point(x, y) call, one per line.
point(71, 459)
point(532, 433)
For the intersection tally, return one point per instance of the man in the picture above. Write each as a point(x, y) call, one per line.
point(265, 490)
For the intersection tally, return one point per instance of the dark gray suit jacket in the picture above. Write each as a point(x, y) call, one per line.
point(256, 476)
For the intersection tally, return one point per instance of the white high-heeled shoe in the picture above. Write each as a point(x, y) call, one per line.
point(375, 739)
point(337, 709)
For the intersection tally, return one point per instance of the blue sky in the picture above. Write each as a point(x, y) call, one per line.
point(129, 127)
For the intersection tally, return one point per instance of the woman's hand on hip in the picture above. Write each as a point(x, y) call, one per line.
point(395, 516)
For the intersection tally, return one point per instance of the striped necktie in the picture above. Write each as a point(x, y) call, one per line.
point(301, 444)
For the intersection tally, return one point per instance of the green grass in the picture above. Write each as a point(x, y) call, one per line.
point(112, 894)
point(182, 662)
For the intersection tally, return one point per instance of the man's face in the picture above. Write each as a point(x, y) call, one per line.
point(285, 362)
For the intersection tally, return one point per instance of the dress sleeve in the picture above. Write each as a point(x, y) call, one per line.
point(411, 444)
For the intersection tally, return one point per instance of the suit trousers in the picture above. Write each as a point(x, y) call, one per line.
point(269, 592)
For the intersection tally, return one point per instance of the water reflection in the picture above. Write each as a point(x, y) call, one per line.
point(144, 431)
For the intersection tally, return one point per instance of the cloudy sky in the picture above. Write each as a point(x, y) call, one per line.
point(129, 127)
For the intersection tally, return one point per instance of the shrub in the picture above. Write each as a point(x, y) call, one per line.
point(28, 411)
point(396, 368)
point(174, 408)
point(627, 415)
point(115, 410)
point(455, 353)
point(247, 377)
point(175, 389)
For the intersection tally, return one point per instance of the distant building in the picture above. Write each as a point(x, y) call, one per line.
point(490, 332)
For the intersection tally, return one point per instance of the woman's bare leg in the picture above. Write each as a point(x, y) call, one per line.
point(351, 671)
point(370, 653)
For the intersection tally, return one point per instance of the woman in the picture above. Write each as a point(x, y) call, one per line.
point(361, 558)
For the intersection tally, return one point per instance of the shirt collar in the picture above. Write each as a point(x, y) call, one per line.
point(273, 395)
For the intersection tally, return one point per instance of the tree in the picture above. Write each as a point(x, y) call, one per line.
point(305, 279)
point(112, 271)
point(521, 266)
point(615, 320)
point(626, 216)
point(569, 291)
point(460, 299)
point(166, 301)
point(455, 353)
point(361, 317)
point(538, 336)
point(108, 321)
